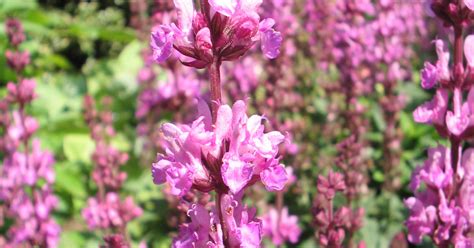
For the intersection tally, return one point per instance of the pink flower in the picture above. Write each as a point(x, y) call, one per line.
point(433, 112)
point(281, 227)
point(236, 150)
point(146, 74)
point(244, 228)
point(469, 4)
point(436, 171)
point(17, 60)
point(469, 47)
point(457, 124)
point(271, 41)
point(110, 212)
point(223, 29)
point(162, 43)
point(328, 187)
point(205, 230)
point(432, 213)
point(428, 76)
point(421, 221)
point(226, 7)
point(443, 61)
point(14, 31)
point(23, 92)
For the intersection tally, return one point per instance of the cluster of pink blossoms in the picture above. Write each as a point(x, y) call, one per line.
point(106, 210)
point(226, 29)
point(278, 225)
point(279, 101)
point(161, 95)
point(27, 173)
point(229, 156)
point(206, 228)
point(337, 225)
point(223, 150)
point(334, 225)
point(368, 44)
point(442, 205)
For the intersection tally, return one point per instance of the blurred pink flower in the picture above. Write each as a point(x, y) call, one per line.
point(281, 227)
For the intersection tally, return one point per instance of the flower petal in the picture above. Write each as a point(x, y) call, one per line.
point(469, 4)
point(236, 173)
point(224, 7)
point(469, 49)
point(161, 43)
point(185, 9)
point(274, 177)
point(271, 42)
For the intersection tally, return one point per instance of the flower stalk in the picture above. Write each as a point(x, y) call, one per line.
point(215, 85)
point(442, 210)
point(215, 141)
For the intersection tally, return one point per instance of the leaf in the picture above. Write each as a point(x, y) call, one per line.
point(370, 234)
point(378, 176)
point(71, 239)
point(127, 66)
point(14, 5)
point(45, 93)
point(377, 116)
point(32, 28)
point(58, 60)
point(69, 179)
point(83, 31)
point(121, 143)
point(78, 147)
point(116, 34)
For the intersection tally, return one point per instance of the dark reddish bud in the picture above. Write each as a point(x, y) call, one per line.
point(17, 60)
point(14, 31)
point(115, 241)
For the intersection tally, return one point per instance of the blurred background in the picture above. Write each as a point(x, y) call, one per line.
point(100, 48)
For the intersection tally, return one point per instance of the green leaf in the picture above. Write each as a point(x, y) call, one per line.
point(71, 239)
point(121, 143)
point(377, 116)
point(116, 34)
point(69, 179)
point(127, 66)
point(378, 176)
point(78, 147)
point(15, 5)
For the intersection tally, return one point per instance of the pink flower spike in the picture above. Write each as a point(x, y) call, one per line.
point(469, 49)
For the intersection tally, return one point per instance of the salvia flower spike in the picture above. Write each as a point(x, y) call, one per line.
point(224, 29)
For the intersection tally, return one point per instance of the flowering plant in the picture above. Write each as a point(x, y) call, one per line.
point(27, 174)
